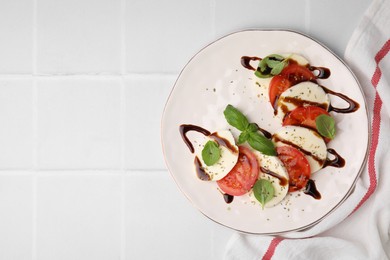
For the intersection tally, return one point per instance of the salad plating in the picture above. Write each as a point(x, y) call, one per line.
point(268, 166)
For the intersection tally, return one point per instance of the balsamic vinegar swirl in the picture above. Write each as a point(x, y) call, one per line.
point(228, 198)
point(311, 190)
point(352, 104)
point(321, 72)
point(282, 181)
point(337, 161)
point(184, 129)
point(246, 62)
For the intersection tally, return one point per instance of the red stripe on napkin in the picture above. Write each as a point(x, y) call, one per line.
point(271, 248)
point(375, 125)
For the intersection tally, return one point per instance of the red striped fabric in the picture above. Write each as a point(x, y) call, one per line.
point(376, 122)
point(271, 248)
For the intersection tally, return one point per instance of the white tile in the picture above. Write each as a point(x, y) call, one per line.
point(145, 100)
point(326, 21)
point(78, 123)
point(162, 224)
point(16, 216)
point(78, 216)
point(163, 35)
point(16, 137)
point(231, 15)
point(16, 37)
point(78, 36)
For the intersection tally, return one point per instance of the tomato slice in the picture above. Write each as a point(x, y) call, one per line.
point(243, 175)
point(297, 166)
point(305, 116)
point(297, 73)
point(277, 86)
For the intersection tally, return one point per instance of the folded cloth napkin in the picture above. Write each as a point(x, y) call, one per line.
point(360, 227)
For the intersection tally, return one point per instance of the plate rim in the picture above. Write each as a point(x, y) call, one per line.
point(362, 166)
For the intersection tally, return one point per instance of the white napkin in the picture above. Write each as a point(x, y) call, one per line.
point(365, 231)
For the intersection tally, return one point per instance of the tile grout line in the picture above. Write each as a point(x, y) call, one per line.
point(122, 129)
point(34, 131)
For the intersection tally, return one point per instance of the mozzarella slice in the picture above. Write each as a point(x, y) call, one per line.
point(278, 178)
point(302, 94)
point(309, 142)
point(228, 157)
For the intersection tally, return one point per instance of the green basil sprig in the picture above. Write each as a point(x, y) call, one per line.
point(211, 153)
point(249, 131)
point(264, 191)
point(271, 65)
point(326, 126)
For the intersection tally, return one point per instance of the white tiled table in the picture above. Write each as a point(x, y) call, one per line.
point(82, 88)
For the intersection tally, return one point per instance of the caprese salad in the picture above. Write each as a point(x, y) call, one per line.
point(268, 166)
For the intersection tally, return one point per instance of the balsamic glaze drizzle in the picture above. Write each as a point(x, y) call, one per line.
point(352, 105)
point(337, 162)
point(282, 180)
point(228, 198)
point(320, 72)
point(184, 129)
point(246, 60)
point(311, 190)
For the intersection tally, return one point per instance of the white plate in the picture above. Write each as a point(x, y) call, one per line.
point(213, 78)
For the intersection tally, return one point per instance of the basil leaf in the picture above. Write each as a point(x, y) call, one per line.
point(260, 74)
point(249, 131)
point(211, 153)
point(326, 126)
point(261, 143)
point(243, 137)
point(273, 60)
point(235, 118)
point(275, 57)
point(252, 127)
point(278, 68)
point(271, 65)
point(262, 65)
point(264, 191)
